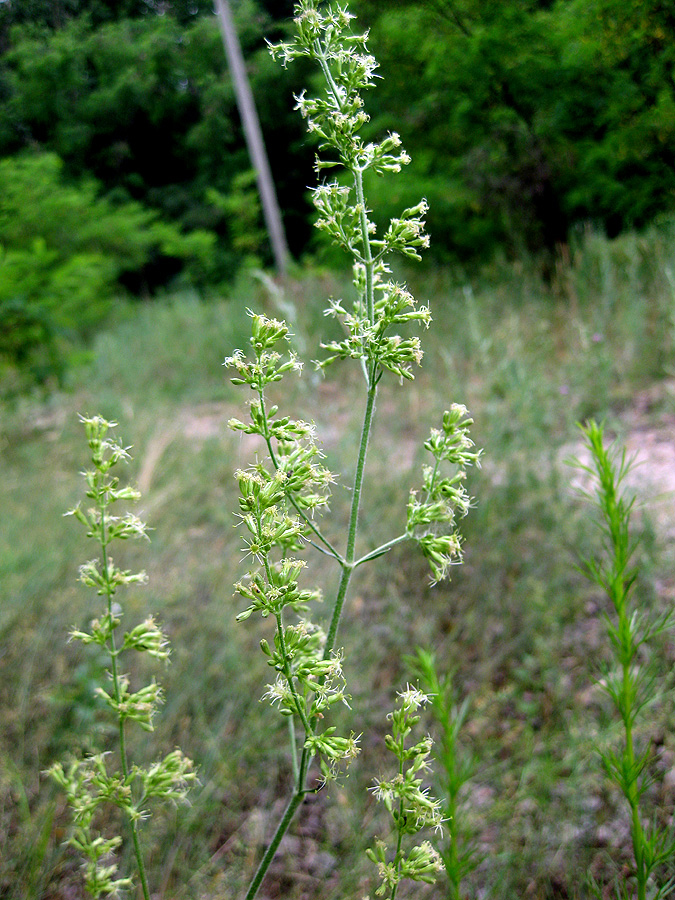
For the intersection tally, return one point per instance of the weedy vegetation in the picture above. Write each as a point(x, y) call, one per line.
point(629, 682)
point(308, 802)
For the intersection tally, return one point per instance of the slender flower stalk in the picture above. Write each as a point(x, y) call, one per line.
point(411, 806)
point(88, 783)
point(118, 688)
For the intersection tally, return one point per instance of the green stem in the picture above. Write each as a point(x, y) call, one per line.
point(327, 549)
point(632, 793)
point(371, 374)
point(299, 706)
point(282, 827)
point(294, 750)
point(432, 481)
point(270, 853)
point(397, 855)
point(282, 643)
point(368, 262)
point(110, 590)
point(139, 859)
point(348, 566)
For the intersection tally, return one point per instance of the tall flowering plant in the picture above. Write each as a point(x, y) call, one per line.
point(283, 497)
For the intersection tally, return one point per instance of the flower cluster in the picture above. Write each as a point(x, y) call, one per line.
point(298, 475)
point(410, 805)
point(433, 512)
point(86, 785)
point(336, 117)
point(276, 504)
point(394, 305)
point(87, 782)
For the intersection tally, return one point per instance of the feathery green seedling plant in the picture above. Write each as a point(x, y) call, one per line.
point(630, 683)
point(90, 782)
point(281, 498)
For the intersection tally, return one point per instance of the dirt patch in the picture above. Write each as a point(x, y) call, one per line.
point(198, 423)
point(647, 432)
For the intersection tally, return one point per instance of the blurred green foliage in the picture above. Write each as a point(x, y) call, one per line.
point(524, 119)
point(145, 105)
point(65, 253)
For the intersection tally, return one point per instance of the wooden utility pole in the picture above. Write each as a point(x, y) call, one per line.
point(253, 135)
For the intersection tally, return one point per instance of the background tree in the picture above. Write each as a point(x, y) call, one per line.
point(66, 252)
point(528, 116)
point(145, 104)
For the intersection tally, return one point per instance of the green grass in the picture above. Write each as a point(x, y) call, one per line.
point(518, 624)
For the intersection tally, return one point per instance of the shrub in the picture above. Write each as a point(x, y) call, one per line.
point(66, 252)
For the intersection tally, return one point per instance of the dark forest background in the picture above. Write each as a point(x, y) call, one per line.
point(123, 167)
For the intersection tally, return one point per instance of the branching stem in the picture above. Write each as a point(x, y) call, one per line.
point(299, 706)
point(329, 548)
point(379, 551)
point(337, 119)
point(348, 566)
